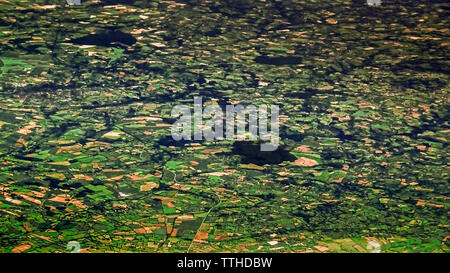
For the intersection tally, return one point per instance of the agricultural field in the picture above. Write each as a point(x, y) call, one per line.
point(87, 158)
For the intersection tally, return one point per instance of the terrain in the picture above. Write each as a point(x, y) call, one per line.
point(86, 152)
